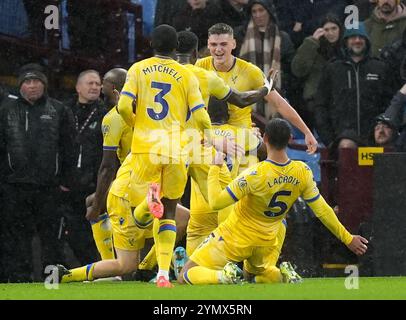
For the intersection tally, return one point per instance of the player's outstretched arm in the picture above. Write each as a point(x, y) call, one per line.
point(358, 245)
point(290, 114)
point(326, 214)
point(246, 98)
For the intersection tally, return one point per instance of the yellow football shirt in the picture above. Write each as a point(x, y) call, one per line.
point(210, 84)
point(266, 192)
point(244, 137)
point(164, 91)
point(121, 185)
point(117, 135)
point(243, 76)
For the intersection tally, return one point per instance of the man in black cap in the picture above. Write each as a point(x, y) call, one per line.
point(385, 132)
point(36, 148)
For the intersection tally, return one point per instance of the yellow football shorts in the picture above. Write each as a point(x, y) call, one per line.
point(215, 253)
point(170, 174)
point(126, 235)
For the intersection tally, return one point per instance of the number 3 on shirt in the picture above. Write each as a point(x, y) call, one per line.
point(278, 204)
point(159, 98)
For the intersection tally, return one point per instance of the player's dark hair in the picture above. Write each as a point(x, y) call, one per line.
point(221, 28)
point(164, 39)
point(218, 110)
point(278, 133)
point(187, 42)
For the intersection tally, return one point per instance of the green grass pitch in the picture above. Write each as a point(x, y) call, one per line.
point(321, 288)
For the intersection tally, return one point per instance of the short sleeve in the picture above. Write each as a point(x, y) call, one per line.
point(112, 131)
point(243, 185)
point(217, 87)
point(130, 87)
point(194, 96)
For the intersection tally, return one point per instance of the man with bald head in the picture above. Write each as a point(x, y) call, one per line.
point(88, 109)
point(113, 82)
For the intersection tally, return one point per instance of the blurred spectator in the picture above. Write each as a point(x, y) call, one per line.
point(397, 109)
point(266, 46)
point(284, 14)
point(197, 16)
point(13, 18)
point(365, 8)
point(386, 24)
point(384, 133)
point(3, 95)
point(395, 57)
point(148, 14)
point(36, 17)
point(36, 148)
point(312, 57)
point(88, 110)
point(307, 15)
point(352, 91)
point(87, 25)
point(165, 10)
point(234, 14)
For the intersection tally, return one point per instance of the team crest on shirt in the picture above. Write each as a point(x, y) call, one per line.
point(105, 129)
point(122, 221)
point(242, 183)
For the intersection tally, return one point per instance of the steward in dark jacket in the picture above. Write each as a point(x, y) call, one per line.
point(352, 91)
point(36, 148)
point(88, 110)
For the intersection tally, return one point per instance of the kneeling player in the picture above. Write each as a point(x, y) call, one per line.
point(262, 195)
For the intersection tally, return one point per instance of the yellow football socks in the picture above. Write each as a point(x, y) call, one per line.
point(79, 274)
point(202, 275)
point(164, 237)
point(149, 261)
point(142, 216)
point(102, 236)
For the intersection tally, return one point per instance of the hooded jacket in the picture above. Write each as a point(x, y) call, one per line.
point(384, 33)
point(350, 95)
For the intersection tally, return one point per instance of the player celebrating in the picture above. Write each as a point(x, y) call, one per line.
point(164, 92)
point(263, 195)
point(242, 75)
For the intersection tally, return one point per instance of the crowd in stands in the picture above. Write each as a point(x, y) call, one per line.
point(349, 85)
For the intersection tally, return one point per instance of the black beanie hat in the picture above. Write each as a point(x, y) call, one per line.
point(32, 71)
